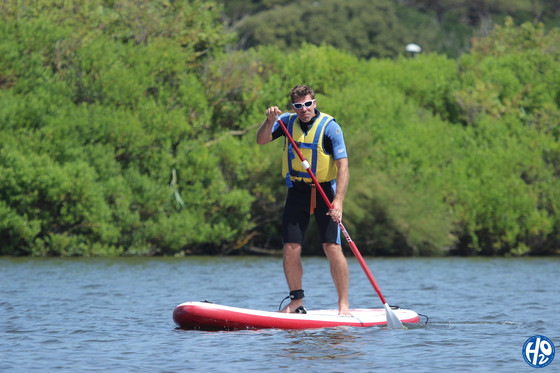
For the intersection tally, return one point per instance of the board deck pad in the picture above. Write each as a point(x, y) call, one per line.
point(211, 316)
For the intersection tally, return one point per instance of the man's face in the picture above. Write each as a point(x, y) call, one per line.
point(305, 113)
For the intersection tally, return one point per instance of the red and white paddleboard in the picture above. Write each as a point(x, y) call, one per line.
point(210, 316)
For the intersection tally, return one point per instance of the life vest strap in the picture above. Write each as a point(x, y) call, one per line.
point(313, 199)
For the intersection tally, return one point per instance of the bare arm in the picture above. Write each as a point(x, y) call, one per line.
point(264, 134)
point(342, 179)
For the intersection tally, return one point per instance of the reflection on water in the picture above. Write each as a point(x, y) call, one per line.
point(321, 344)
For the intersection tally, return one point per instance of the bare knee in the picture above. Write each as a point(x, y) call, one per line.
point(292, 248)
point(332, 250)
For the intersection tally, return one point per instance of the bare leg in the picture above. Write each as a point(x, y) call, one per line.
point(339, 273)
point(293, 270)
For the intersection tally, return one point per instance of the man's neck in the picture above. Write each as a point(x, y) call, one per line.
point(306, 126)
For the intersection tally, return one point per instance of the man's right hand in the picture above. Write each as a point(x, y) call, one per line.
point(272, 112)
point(264, 134)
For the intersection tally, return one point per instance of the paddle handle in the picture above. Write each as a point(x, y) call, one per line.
point(353, 246)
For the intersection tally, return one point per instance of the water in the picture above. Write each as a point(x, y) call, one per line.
point(100, 315)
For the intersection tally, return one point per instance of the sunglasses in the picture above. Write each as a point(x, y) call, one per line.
point(300, 105)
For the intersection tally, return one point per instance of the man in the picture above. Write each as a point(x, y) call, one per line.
point(321, 142)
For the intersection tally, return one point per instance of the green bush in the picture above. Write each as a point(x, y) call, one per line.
point(125, 130)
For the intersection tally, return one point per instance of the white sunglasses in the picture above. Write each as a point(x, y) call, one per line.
point(300, 105)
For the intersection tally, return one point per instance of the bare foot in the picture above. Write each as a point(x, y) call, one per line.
point(343, 310)
point(291, 308)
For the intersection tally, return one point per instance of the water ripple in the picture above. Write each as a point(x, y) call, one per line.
point(97, 315)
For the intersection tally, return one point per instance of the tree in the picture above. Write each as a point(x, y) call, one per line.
point(365, 28)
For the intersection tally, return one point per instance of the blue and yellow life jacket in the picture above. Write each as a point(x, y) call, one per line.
point(311, 147)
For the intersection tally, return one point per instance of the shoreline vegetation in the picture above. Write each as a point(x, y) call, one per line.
point(129, 129)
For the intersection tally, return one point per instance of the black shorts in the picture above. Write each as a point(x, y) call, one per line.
point(296, 214)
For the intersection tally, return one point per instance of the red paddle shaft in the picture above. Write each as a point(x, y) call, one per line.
point(329, 205)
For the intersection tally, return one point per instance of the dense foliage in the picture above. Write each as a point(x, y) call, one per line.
point(126, 130)
point(366, 28)
point(380, 28)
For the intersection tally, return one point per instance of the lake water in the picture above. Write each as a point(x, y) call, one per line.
point(115, 315)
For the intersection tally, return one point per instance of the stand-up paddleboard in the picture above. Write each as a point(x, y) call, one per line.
point(210, 316)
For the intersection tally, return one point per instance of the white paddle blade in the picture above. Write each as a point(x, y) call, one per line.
point(393, 321)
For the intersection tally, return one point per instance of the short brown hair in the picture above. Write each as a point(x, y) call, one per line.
point(300, 91)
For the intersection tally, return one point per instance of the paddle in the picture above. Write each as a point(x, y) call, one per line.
point(393, 321)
